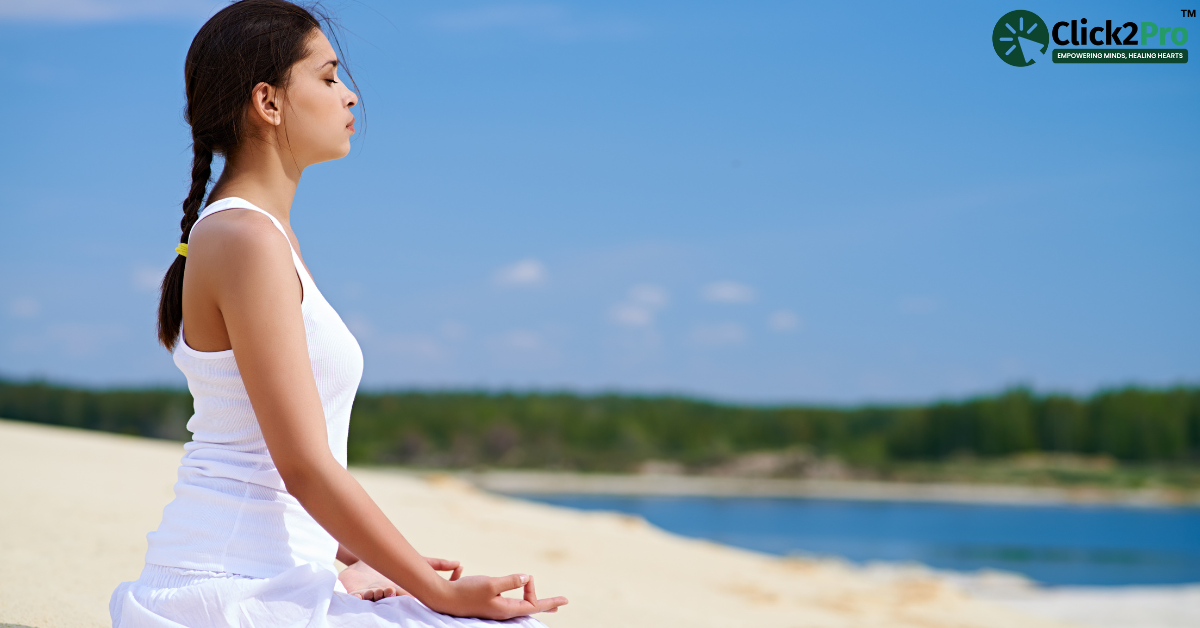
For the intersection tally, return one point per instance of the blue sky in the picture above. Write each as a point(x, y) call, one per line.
point(754, 201)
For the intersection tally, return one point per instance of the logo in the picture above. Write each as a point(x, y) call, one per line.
point(1020, 38)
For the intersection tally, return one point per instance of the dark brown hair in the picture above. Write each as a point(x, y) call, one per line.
point(246, 43)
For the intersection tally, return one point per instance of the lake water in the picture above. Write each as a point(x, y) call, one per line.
point(1076, 545)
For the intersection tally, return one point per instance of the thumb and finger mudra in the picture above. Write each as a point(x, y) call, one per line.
point(529, 602)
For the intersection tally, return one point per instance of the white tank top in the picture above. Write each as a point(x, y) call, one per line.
point(231, 511)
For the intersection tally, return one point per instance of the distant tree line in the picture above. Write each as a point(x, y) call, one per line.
point(618, 432)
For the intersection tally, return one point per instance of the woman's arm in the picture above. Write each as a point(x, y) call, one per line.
point(246, 267)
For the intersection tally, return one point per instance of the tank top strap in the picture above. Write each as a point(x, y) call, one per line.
point(234, 202)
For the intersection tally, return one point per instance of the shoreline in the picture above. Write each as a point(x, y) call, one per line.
point(658, 485)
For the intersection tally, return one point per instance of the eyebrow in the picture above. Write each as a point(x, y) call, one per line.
point(334, 62)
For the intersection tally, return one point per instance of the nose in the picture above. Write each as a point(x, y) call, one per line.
point(352, 99)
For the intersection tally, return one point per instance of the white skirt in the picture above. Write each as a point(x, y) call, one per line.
point(301, 597)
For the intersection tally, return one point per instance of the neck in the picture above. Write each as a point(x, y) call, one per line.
point(262, 174)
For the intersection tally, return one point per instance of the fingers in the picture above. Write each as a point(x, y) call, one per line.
point(508, 583)
point(441, 564)
point(550, 604)
point(530, 594)
point(507, 608)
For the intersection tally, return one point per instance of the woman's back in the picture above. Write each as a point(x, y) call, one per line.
point(232, 512)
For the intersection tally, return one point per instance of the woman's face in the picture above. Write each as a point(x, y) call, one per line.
point(317, 123)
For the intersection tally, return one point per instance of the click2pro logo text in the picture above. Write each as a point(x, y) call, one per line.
point(1021, 38)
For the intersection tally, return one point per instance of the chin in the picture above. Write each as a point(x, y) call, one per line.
point(335, 153)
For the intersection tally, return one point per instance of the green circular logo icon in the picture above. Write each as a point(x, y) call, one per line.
point(1020, 38)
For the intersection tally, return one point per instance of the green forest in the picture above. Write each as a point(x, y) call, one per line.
point(614, 432)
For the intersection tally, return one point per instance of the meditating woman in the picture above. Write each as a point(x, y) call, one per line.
point(264, 504)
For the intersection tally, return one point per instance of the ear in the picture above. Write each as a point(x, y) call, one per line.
point(265, 104)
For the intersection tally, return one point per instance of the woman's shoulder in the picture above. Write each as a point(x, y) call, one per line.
point(239, 240)
point(238, 230)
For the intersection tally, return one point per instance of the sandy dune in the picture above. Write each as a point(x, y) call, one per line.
point(75, 507)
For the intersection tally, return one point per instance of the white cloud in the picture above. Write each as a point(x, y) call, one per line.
point(105, 10)
point(523, 273)
point(359, 326)
point(918, 305)
point(727, 292)
point(649, 296)
point(147, 278)
point(631, 315)
point(642, 304)
point(784, 320)
point(24, 307)
point(543, 20)
point(718, 335)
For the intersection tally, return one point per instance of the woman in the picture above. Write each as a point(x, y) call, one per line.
point(264, 504)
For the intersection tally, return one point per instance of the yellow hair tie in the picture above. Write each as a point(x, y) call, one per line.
point(182, 249)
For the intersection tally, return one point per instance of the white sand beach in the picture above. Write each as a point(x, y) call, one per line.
point(75, 507)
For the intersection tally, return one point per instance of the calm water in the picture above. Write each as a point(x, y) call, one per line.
point(1084, 545)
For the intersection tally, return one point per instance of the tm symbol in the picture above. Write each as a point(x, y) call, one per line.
point(1188, 12)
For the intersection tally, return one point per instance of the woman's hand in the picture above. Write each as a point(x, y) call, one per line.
point(365, 583)
point(479, 596)
point(473, 596)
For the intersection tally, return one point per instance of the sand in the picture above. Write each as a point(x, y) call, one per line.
point(75, 507)
point(1105, 607)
